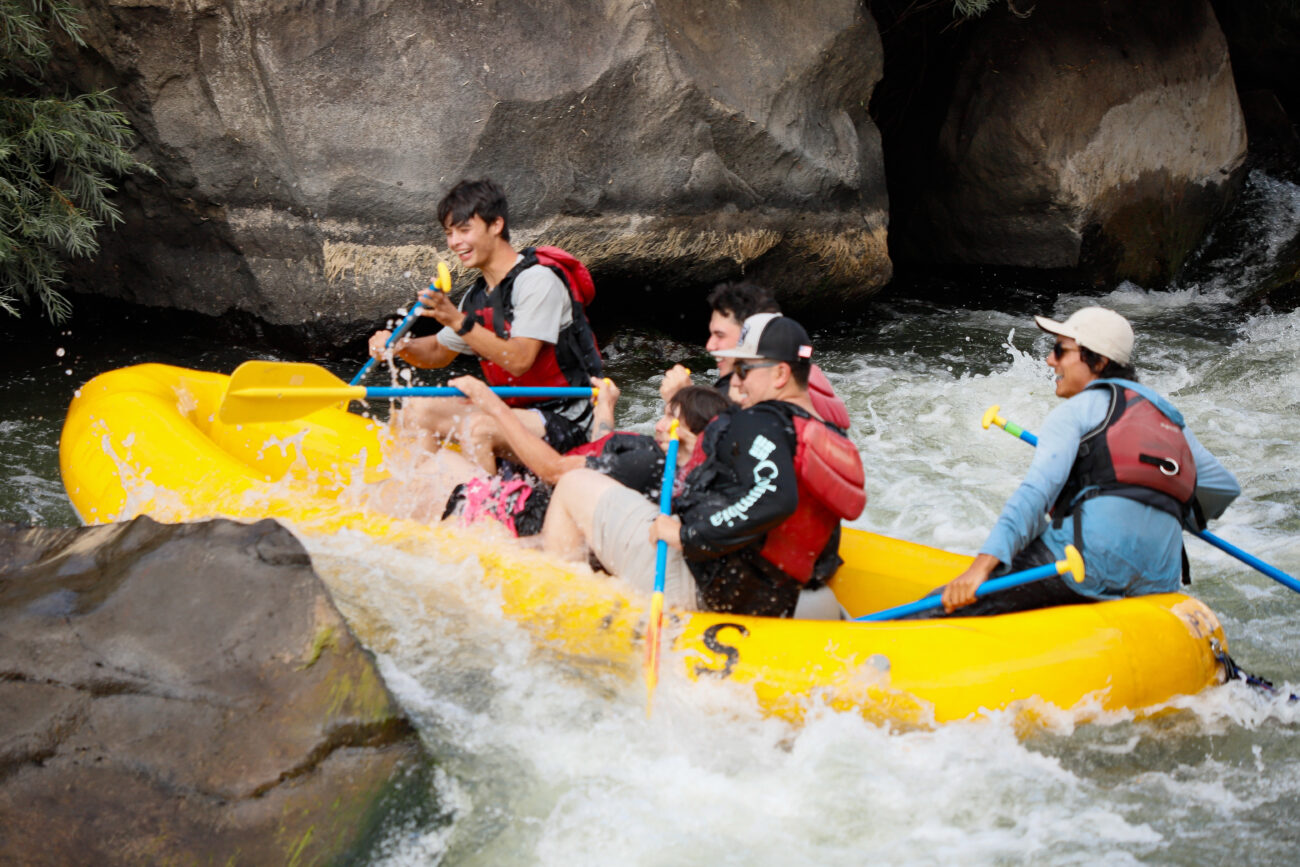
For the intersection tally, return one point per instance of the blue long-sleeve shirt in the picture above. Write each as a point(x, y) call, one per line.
point(1129, 549)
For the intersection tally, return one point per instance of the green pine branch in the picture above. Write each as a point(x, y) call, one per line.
point(58, 159)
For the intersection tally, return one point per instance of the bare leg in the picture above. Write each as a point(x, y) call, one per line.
point(429, 421)
point(423, 497)
point(481, 439)
point(571, 514)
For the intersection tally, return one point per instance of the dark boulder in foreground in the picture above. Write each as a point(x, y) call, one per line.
point(184, 694)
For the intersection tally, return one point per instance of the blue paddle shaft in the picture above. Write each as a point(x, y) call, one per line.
point(929, 603)
point(1249, 559)
point(392, 338)
point(502, 391)
point(665, 507)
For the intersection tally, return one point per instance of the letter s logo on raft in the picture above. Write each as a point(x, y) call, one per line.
point(732, 654)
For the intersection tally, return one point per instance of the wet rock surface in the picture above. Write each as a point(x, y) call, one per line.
point(302, 148)
point(1098, 136)
point(178, 693)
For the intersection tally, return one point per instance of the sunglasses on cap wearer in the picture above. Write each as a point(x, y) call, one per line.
point(1058, 351)
point(743, 368)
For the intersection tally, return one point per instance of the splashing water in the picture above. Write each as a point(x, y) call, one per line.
point(542, 762)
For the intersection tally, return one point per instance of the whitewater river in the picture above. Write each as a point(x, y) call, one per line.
point(539, 763)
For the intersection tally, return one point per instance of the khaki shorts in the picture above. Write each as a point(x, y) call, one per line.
point(621, 540)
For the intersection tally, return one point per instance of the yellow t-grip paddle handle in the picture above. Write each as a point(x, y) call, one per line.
point(1073, 563)
point(991, 417)
point(443, 280)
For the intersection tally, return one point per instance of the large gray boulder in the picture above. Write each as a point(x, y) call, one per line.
point(302, 147)
point(184, 694)
point(1092, 135)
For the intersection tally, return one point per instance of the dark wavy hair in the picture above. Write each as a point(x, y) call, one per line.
point(469, 198)
point(742, 300)
point(697, 405)
point(1110, 370)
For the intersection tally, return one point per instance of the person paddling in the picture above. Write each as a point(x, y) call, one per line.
point(523, 318)
point(759, 503)
point(1119, 472)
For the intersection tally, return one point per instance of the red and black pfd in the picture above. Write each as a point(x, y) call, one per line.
point(573, 359)
point(1137, 452)
point(831, 484)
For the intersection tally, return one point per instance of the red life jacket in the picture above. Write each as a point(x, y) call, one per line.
point(830, 483)
point(1136, 452)
point(574, 357)
point(825, 400)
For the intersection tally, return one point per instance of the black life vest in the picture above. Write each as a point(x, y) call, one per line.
point(631, 459)
point(831, 480)
point(1137, 452)
point(574, 357)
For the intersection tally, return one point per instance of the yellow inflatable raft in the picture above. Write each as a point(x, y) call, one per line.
point(147, 440)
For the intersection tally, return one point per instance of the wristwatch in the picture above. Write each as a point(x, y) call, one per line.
point(466, 327)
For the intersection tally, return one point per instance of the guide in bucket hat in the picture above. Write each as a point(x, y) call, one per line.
point(1119, 473)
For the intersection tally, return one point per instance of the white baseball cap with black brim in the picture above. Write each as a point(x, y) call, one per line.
point(773, 337)
point(1103, 331)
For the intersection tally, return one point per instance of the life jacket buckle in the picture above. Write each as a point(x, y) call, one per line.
point(1168, 466)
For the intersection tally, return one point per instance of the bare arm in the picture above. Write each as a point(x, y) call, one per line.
point(418, 351)
point(535, 453)
point(515, 354)
point(603, 412)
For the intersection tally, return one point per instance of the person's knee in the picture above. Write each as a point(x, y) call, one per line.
point(576, 483)
point(478, 429)
point(434, 415)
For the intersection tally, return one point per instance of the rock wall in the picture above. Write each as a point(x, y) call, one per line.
point(184, 694)
point(302, 147)
point(1095, 135)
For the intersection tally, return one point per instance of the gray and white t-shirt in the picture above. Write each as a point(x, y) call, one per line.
point(541, 309)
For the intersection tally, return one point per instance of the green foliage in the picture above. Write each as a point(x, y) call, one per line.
point(56, 157)
point(971, 8)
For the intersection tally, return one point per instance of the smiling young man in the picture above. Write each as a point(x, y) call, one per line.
point(1117, 469)
point(520, 318)
point(757, 512)
point(730, 305)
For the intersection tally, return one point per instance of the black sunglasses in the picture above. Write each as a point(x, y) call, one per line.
point(744, 367)
point(1058, 351)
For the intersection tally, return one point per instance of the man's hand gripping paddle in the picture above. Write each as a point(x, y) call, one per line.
point(443, 284)
point(1073, 563)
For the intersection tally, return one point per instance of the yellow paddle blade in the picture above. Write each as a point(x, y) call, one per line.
point(652, 633)
point(262, 391)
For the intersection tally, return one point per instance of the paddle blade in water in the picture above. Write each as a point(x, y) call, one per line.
point(652, 637)
point(262, 391)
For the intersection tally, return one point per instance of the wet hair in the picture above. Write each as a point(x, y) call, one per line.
point(482, 198)
point(742, 300)
point(697, 405)
point(1111, 370)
